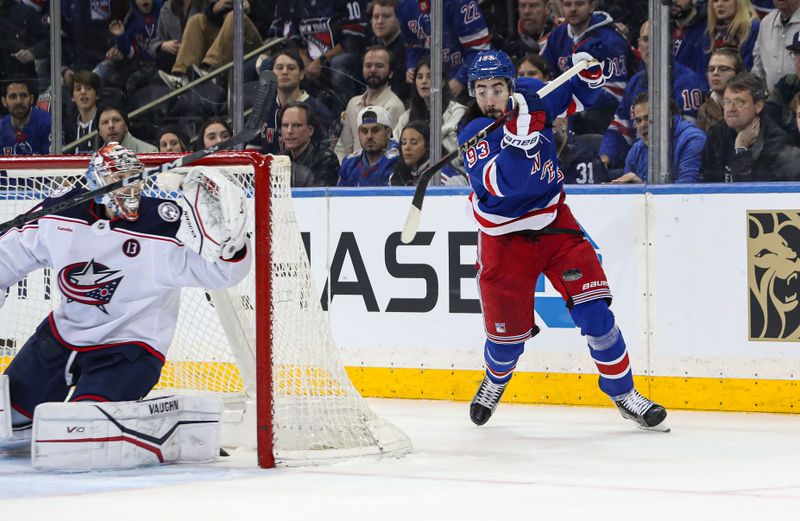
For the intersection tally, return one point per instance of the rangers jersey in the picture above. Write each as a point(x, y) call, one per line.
point(320, 26)
point(120, 281)
point(464, 33)
point(356, 170)
point(558, 52)
point(515, 189)
point(33, 138)
point(687, 91)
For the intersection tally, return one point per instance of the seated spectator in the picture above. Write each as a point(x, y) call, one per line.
point(84, 90)
point(128, 63)
point(746, 145)
point(723, 65)
point(331, 37)
point(171, 21)
point(775, 34)
point(25, 130)
point(207, 42)
point(464, 35)
point(113, 127)
point(26, 41)
point(288, 67)
point(777, 106)
point(376, 73)
point(533, 26)
point(212, 131)
point(582, 22)
point(415, 156)
point(689, 39)
point(533, 66)
point(173, 139)
point(313, 163)
point(687, 142)
point(420, 106)
point(373, 164)
point(386, 32)
point(86, 24)
point(732, 24)
point(578, 155)
point(687, 92)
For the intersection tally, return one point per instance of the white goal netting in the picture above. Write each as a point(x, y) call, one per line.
point(316, 413)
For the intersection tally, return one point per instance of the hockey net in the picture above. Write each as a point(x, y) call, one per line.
point(265, 341)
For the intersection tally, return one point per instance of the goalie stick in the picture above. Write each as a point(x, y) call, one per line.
point(264, 98)
point(415, 212)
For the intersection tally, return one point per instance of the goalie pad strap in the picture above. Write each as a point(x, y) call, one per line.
point(121, 435)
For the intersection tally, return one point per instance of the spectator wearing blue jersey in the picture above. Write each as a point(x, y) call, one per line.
point(777, 31)
point(689, 35)
point(687, 92)
point(578, 155)
point(464, 34)
point(582, 21)
point(723, 65)
point(686, 143)
point(374, 163)
point(735, 24)
point(25, 130)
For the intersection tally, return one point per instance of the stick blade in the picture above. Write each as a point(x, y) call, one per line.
point(264, 100)
point(411, 226)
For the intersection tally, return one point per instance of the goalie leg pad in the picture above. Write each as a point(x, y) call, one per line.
point(5, 409)
point(120, 435)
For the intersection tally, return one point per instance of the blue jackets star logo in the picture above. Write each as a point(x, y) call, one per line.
point(89, 283)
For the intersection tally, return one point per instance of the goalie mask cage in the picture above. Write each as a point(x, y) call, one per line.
point(263, 346)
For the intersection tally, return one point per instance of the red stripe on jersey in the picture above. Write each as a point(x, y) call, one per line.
point(489, 224)
point(21, 411)
point(88, 398)
point(478, 42)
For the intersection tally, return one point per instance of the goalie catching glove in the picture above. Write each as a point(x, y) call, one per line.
point(214, 220)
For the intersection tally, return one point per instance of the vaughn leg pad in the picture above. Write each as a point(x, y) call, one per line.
point(5, 410)
point(120, 435)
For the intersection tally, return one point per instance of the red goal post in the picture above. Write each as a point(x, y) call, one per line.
point(278, 372)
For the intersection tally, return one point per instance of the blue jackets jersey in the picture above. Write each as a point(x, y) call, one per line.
point(464, 34)
point(356, 170)
point(515, 189)
point(580, 161)
point(34, 138)
point(687, 151)
point(558, 52)
point(687, 90)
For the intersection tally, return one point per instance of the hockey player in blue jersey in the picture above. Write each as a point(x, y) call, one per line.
point(119, 263)
point(526, 229)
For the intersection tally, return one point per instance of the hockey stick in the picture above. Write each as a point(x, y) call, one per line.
point(415, 212)
point(264, 99)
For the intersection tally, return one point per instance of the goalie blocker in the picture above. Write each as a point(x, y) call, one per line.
point(80, 436)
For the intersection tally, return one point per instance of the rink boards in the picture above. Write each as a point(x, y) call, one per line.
point(704, 278)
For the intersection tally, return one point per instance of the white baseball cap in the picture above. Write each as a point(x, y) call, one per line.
point(374, 114)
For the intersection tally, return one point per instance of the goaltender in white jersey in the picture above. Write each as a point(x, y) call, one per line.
point(119, 263)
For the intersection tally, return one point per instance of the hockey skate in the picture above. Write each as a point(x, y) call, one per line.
point(647, 414)
point(485, 401)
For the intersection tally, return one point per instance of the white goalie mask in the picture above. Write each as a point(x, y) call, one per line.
point(112, 163)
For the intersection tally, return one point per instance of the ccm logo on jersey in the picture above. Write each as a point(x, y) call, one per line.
point(595, 284)
point(162, 407)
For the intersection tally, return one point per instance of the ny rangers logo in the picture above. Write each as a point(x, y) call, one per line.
point(89, 283)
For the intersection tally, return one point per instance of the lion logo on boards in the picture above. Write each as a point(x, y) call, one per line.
point(773, 274)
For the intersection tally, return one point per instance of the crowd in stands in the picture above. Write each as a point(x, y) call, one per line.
point(355, 83)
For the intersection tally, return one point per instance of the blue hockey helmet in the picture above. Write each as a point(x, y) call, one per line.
point(490, 64)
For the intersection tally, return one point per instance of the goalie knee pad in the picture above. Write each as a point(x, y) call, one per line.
point(501, 360)
point(5, 409)
point(121, 435)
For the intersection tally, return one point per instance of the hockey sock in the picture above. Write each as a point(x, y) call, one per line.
point(606, 346)
point(501, 360)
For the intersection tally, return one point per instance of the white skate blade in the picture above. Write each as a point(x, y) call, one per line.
point(661, 427)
